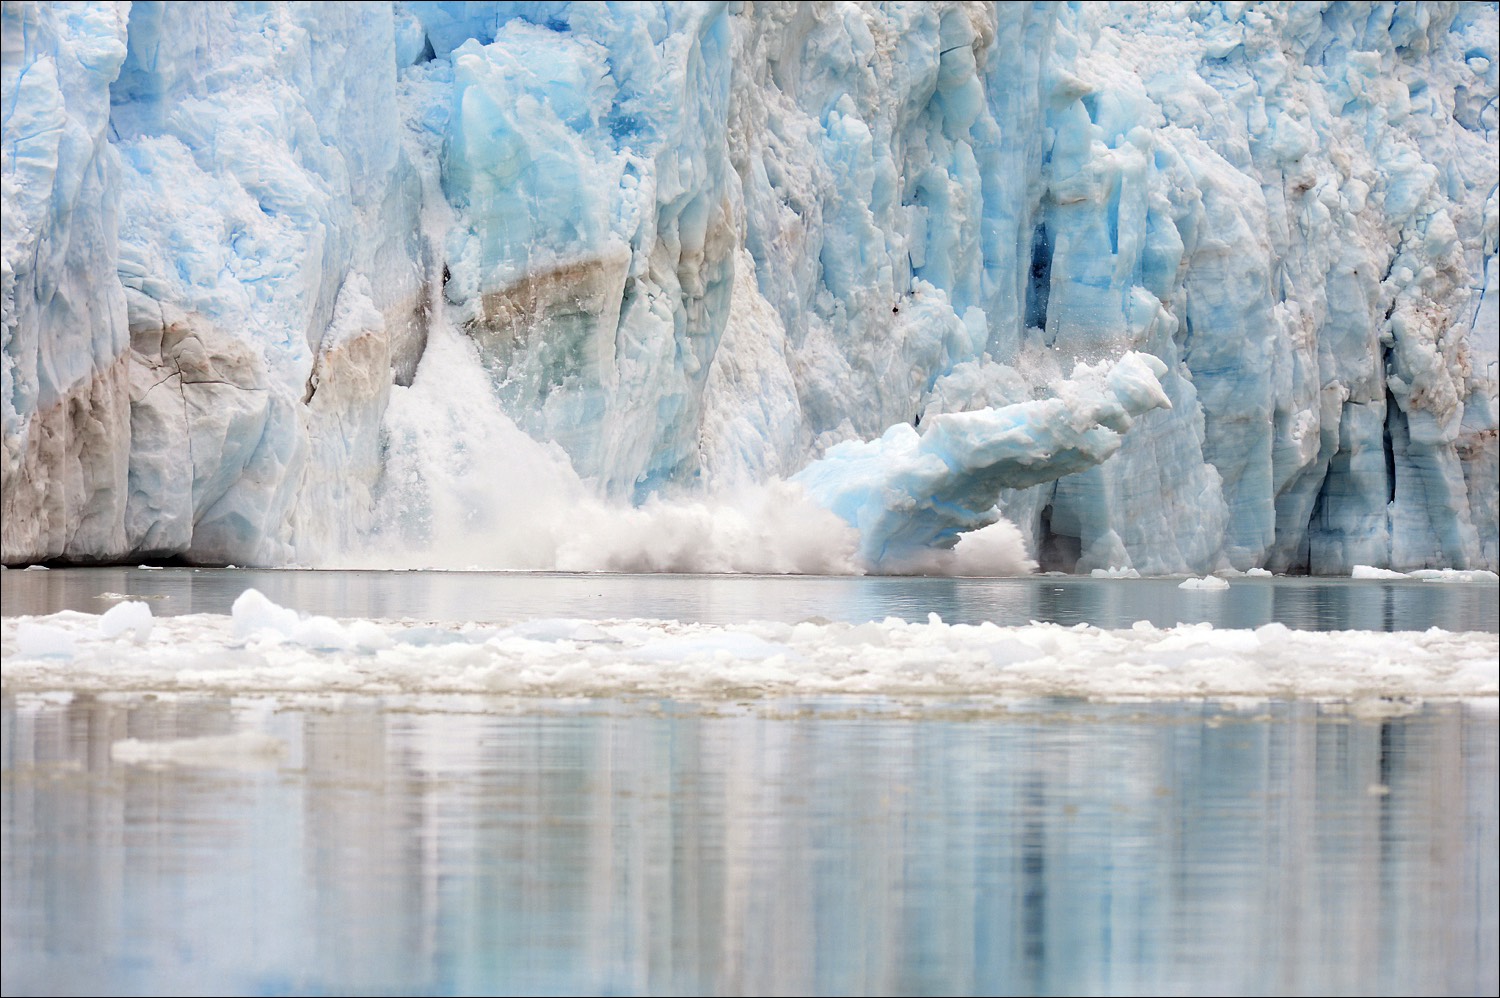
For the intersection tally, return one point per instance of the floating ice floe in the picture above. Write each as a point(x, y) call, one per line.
point(134, 618)
point(37, 640)
point(257, 618)
point(264, 648)
point(241, 750)
point(1211, 583)
point(1456, 575)
point(1427, 574)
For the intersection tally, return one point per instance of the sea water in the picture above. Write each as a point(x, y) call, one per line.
point(434, 843)
point(1320, 604)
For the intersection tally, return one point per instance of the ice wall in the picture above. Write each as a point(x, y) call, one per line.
point(64, 395)
point(1311, 218)
point(212, 258)
point(701, 245)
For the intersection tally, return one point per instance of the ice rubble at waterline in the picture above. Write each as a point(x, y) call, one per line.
point(311, 283)
point(263, 648)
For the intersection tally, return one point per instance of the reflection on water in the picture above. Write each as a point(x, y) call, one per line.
point(1310, 604)
point(466, 846)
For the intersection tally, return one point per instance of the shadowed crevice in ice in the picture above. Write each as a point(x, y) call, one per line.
point(908, 493)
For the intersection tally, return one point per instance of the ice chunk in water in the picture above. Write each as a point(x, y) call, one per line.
point(134, 617)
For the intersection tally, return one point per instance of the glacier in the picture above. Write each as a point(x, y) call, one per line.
point(1163, 288)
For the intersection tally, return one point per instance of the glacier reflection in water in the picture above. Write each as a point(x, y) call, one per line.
point(467, 845)
point(1317, 604)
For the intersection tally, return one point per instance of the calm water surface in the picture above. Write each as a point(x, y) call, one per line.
point(836, 846)
point(1306, 603)
point(652, 848)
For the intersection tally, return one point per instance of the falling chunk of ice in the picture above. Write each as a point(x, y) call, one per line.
point(908, 492)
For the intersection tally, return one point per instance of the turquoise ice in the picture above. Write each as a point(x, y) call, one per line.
point(701, 246)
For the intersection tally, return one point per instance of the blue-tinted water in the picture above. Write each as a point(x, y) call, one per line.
point(440, 845)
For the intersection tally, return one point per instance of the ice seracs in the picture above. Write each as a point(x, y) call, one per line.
point(699, 245)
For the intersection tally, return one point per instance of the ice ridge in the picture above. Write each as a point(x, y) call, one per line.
point(693, 247)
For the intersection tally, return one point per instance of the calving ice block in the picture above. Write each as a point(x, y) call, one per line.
point(282, 283)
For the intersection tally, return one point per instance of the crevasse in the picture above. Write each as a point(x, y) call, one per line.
point(297, 283)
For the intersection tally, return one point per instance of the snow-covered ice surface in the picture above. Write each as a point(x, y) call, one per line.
point(316, 283)
point(265, 648)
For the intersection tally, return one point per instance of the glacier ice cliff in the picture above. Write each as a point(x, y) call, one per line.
point(295, 283)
